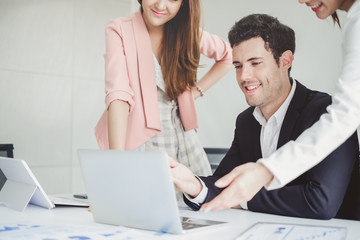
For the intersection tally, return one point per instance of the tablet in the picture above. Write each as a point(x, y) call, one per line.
point(19, 186)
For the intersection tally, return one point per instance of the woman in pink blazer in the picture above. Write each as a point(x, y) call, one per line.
point(151, 63)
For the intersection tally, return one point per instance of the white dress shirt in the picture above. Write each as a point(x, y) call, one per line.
point(270, 129)
point(269, 137)
point(334, 127)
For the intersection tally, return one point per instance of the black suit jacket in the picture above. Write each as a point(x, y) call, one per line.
point(330, 189)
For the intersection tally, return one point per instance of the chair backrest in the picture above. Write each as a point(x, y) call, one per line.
point(6, 150)
point(215, 155)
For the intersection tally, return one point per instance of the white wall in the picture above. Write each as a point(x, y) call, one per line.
point(51, 75)
point(51, 82)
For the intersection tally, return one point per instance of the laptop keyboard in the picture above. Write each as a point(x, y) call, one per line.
point(191, 223)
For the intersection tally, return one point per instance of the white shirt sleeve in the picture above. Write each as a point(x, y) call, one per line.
point(334, 127)
point(199, 199)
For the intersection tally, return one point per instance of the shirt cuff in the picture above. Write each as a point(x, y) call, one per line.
point(244, 205)
point(199, 199)
point(274, 184)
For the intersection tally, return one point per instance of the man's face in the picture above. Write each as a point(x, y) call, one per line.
point(261, 79)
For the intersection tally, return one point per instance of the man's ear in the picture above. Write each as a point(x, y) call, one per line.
point(286, 60)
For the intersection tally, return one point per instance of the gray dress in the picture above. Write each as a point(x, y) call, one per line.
point(183, 146)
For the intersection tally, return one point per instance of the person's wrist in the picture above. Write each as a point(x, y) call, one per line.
point(196, 189)
point(200, 90)
point(267, 174)
point(195, 92)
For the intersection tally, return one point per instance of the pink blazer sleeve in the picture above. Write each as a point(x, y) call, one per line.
point(215, 47)
point(117, 84)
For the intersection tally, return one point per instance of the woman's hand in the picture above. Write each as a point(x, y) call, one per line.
point(241, 184)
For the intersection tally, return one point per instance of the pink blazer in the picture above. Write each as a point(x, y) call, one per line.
point(130, 76)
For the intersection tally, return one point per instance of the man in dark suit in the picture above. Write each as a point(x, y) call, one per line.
point(281, 109)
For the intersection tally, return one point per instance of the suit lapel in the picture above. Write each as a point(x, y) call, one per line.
point(256, 141)
point(253, 142)
point(292, 115)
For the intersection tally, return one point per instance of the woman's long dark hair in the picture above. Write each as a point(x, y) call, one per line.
point(335, 18)
point(180, 49)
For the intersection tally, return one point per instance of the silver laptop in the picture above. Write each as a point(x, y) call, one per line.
point(134, 189)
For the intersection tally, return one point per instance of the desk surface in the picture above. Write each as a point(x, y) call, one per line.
point(239, 221)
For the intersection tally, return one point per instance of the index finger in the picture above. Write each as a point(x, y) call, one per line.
point(227, 179)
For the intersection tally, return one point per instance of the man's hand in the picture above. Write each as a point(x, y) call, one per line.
point(184, 180)
point(241, 184)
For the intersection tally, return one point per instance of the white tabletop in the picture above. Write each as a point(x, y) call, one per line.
point(238, 221)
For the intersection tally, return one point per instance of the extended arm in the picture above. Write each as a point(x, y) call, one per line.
point(118, 113)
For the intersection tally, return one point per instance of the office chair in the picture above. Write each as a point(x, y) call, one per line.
point(6, 150)
point(215, 155)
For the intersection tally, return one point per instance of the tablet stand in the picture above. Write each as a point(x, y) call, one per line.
point(20, 186)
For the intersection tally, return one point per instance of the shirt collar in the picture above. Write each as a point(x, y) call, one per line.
point(279, 115)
